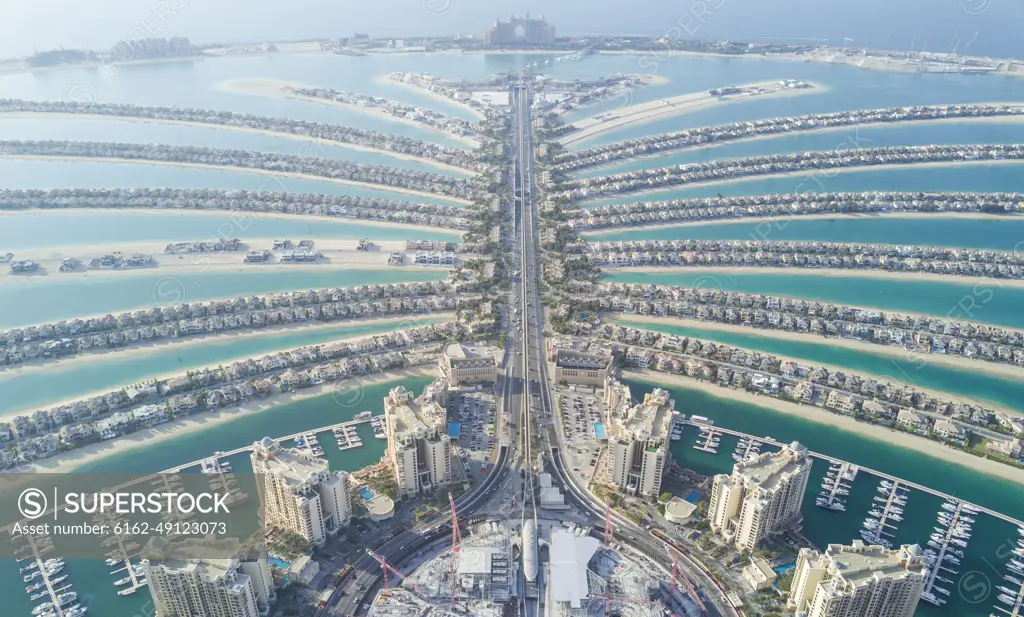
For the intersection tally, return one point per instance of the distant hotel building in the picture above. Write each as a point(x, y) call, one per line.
point(299, 491)
point(857, 581)
point(214, 587)
point(516, 30)
point(419, 448)
point(762, 496)
point(465, 366)
point(641, 447)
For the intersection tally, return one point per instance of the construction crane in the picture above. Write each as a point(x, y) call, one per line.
point(385, 567)
point(456, 546)
point(968, 47)
point(678, 572)
point(609, 532)
point(926, 41)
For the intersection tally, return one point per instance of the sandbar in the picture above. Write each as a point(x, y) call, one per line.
point(976, 281)
point(673, 106)
point(251, 170)
point(910, 357)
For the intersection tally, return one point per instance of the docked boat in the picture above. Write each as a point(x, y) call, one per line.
point(932, 598)
point(363, 415)
point(1005, 599)
point(76, 611)
point(123, 581)
point(944, 592)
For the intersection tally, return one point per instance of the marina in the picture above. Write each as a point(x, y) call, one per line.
point(880, 527)
point(835, 487)
point(708, 440)
point(944, 550)
point(893, 481)
point(1011, 595)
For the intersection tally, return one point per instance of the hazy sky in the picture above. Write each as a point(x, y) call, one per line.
point(45, 24)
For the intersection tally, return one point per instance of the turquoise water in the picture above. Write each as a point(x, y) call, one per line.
point(101, 373)
point(822, 527)
point(108, 130)
point(61, 228)
point(197, 84)
point(1000, 235)
point(845, 88)
point(33, 301)
point(910, 368)
point(865, 136)
point(988, 302)
point(964, 177)
point(90, 578)
point(52, 174)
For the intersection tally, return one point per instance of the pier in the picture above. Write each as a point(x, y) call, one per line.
point(1016, 577)
point(220, 455)
point(710, 437)
point(48, 578)
point(833, 485)
point(892, 510)
point(957, 522)
point(874, 472)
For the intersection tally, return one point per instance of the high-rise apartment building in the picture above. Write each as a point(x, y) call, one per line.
point(858, 581)
point(762, 497)
point(207, 587)
point(300, 493)
point(640, 448)
point(419, 448)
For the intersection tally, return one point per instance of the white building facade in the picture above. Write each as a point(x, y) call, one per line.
point(419, 448)
point(762, 497)
point(300, 493)
point(208, 587)
point(858, 581)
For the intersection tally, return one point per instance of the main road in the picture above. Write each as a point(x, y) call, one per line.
point(537, 399)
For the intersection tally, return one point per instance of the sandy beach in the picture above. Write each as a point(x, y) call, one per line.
point(384, 80)
point(832, 368)
point(338, 254)
point(240, 218)
point(820, 416)
point(68, 461)
point(249, 170)
point(673, 106)
point(176, 345)
point(276, 88)
point(910, 359)
point(977, 281)
point(808, 180)
point(309, 147)
point(828, 129)
point(782, 220)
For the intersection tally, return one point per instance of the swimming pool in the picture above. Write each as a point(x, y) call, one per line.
point(366, 493)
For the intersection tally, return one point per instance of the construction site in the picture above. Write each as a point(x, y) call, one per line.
point(582, 574)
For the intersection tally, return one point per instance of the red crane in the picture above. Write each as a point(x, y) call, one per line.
point(456, 546)
point(677, 571)
point(385, 567)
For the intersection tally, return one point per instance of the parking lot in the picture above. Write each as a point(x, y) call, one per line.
point(475, 412)
point(580, 411)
